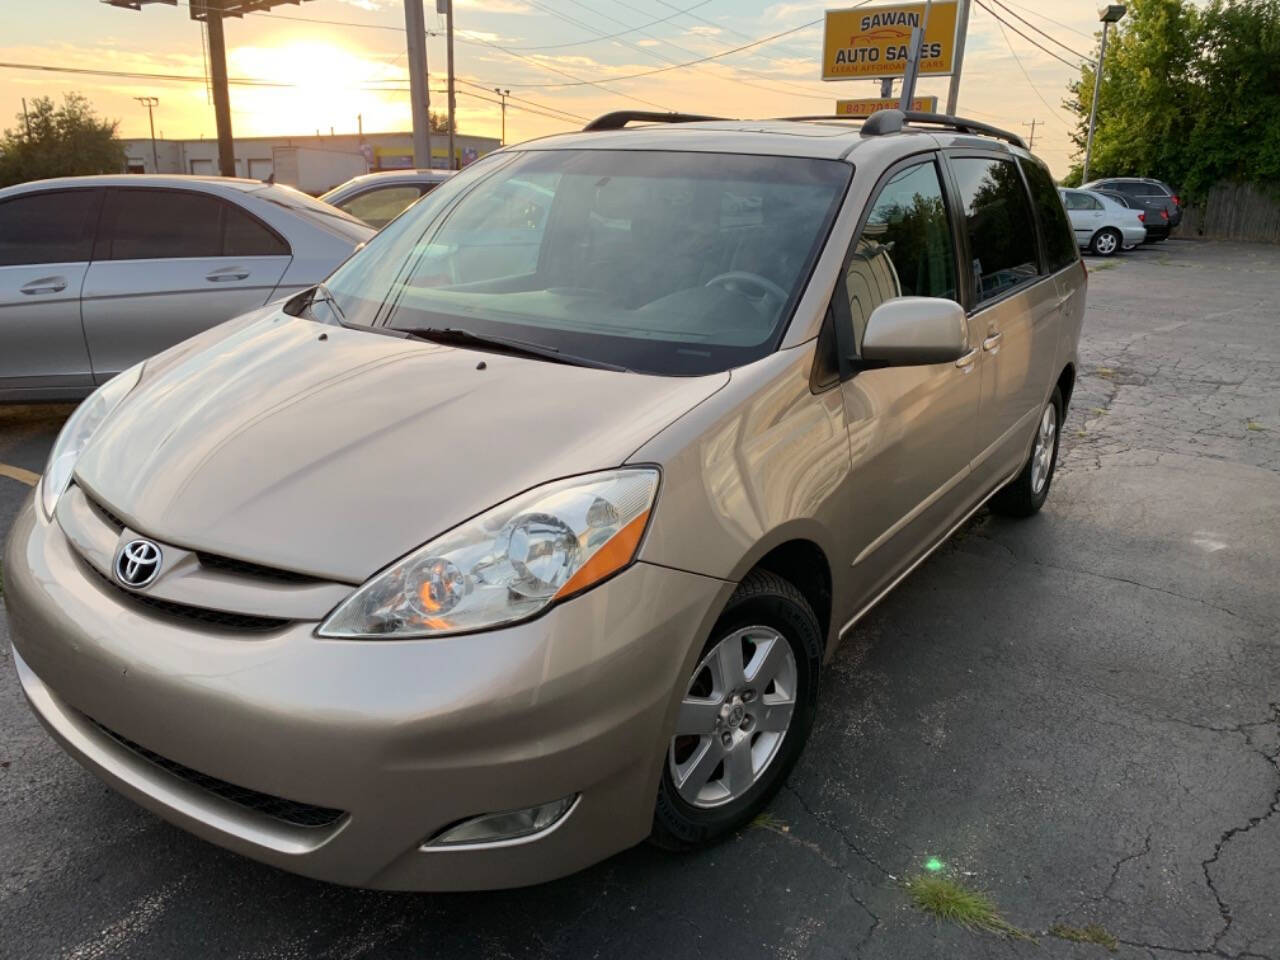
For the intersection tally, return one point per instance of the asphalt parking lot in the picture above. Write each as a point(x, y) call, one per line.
point(1079, 714)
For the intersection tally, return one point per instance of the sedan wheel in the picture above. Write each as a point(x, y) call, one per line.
point(1106, 242)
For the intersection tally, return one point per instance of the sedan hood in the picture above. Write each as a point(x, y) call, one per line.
point(332, 452)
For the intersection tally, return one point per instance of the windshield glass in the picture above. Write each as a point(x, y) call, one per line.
point(673, 263)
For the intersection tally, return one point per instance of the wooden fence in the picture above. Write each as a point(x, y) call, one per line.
point(1236, 211)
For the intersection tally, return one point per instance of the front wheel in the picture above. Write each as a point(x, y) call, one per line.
point(744, 717)
point(1026, 493)
point(1106, 242)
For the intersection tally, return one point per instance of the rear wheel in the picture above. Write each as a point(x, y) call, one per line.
point(745, 715)
point(1106, 242)
point(1026, 493)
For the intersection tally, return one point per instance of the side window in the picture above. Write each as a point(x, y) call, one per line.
point(1059, 242)
point(1076, 201)
point(1135, 189)
point(52, 227)
point(243, 236)
point(159, 224)
point(1002, 237)
point(1094, 203)
point(379, 207)
point(905, 249)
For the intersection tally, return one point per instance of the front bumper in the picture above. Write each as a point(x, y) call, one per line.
point(403, 737)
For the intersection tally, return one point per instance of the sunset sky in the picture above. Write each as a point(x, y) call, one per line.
point(313, 75)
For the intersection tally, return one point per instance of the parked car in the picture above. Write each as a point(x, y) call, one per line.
point(1102, 226)
point(98, 273)
point(469, 571)
point(378, 198)
point(1151, 211)
point(1143, 188)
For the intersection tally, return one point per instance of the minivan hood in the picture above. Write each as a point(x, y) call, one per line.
point(333, 452)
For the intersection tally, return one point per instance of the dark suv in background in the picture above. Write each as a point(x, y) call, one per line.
point(1143, 189)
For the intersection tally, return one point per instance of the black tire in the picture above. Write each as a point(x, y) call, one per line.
point(762, 599)
point(1018, 498)
point(1099, 243)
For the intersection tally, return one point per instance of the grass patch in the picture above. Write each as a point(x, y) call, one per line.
point(767, 821)
point(1254, 425)
point(1093, 933)
point(951, 902)
point(1105, 265)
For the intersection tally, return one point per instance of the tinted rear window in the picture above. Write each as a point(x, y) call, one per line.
point(1002, 236)
point(1059, 241)
point(54, 227)
point(169, 224)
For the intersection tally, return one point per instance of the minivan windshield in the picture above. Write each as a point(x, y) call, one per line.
point(660, 262)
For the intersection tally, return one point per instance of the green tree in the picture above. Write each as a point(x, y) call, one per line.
point(59, 141)
point(1189, 95)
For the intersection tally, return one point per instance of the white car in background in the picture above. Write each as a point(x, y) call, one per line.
point(378, 198)
point(97, 273)
point(1102, 226)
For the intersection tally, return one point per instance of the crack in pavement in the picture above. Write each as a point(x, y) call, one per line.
point(836, 829)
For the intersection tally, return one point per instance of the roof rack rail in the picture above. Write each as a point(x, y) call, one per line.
point(620, 118)
point(891, 121)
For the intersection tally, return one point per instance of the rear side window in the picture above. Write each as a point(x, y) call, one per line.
point(905, 248)
point(380, 206)
point(1002, 237)
point(1082, 201)
point(1059, 241)
point(55, 227)
point(172, 224)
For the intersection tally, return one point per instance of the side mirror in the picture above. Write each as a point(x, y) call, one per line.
point(913, 331)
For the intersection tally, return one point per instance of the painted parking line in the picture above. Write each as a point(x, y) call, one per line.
point(19, 474)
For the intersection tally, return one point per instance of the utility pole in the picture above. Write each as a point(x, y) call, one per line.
point(446, 7)
point(962, 32)
point(503, 94)
point(1108, 15)
point(221, 93)
point(415, 29)
point(1031, 143)
point(26, 120)
point(150, 103)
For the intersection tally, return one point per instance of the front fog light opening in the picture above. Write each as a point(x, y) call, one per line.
point(507, 827)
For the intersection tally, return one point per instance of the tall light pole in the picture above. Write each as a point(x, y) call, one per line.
point(1112, 13)
point(151, 103)
point(503, 94)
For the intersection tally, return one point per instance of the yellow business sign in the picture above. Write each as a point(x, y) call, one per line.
point(868, 43)
point(866, 107)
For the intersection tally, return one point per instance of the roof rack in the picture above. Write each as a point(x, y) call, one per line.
point(620, 118)
point(891, 121)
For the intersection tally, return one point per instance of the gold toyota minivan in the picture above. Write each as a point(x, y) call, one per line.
point(527, 535)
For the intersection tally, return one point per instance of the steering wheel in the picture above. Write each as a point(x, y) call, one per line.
point(769, 293)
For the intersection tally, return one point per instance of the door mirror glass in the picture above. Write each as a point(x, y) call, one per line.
point(912, 331)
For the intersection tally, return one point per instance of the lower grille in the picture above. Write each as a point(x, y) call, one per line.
point(278, 808)
point(184, 611)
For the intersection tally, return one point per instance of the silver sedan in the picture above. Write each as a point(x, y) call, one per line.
point(97, 273)
point(378, 198)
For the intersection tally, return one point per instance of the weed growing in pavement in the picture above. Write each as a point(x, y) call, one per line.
point(951, 902)
point(1093, 933)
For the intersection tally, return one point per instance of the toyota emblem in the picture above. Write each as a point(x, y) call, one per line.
point(138, 562)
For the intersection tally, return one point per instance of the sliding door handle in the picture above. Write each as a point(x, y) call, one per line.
point(992, 342)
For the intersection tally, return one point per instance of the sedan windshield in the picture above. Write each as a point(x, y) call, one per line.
point(662, 262)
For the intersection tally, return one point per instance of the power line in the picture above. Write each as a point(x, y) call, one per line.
point(1034, 43)
point(1056, 23)
point(1031, 83)
point(1047, 36)
point(690, 63)
point(651, 23)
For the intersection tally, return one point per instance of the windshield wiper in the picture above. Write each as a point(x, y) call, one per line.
point(321, 294)
point(453, 336)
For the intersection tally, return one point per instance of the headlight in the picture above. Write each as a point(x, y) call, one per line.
point(506, 564)
point(78, 430)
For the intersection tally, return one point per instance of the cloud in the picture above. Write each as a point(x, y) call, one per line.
point(703, 31)
point(370, 5)
point(495, 6)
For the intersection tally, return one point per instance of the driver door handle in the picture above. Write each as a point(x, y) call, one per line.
point(992, 342)
point(966, 362)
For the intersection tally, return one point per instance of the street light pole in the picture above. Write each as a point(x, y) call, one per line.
point(503, 94)
point(150, 103)
point(1108, 15)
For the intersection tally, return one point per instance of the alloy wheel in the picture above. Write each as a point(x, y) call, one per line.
point(734, 716)
point(1042, 455)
